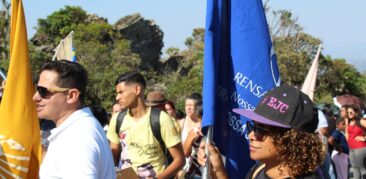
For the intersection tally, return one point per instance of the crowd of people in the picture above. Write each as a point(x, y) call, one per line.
point(288, 135)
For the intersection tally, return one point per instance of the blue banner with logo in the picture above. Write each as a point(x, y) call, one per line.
point(239, 67)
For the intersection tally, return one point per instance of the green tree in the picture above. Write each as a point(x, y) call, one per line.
point(179, 84)
point(99, 48)
point(5, 27)
point(337, 77)
point(60, 23)
point(295, 51)
point(294, 48)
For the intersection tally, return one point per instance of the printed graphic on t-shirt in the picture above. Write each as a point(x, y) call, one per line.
point(144, 170)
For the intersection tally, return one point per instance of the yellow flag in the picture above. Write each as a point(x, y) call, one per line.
point(19, 125)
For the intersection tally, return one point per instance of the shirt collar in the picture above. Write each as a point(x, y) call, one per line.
point(68, 121)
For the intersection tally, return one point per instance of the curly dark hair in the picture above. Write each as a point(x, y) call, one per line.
point(300, 151)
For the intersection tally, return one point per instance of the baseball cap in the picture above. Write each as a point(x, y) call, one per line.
point(284, 107)
point(155, 98)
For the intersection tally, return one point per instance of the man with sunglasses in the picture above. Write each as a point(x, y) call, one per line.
point(78, 147)
point(282, 138)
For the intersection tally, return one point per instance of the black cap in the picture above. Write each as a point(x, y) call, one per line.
point(285, 107)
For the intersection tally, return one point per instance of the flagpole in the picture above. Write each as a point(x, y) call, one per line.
point(58, 47)
point(206, 168)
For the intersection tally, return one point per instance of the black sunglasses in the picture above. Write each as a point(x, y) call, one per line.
point(259, 132)
point(48, 92)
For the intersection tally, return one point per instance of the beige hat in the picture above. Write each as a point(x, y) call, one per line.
point(155, 98)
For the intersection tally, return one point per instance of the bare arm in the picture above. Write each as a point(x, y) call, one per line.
point(363, 122)
point(192, 136)
point(178, 162)
point(324, 131)
point(116, 152)
point(331, 140)
point(361, 138)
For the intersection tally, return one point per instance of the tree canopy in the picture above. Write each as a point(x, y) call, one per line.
point(105, 51)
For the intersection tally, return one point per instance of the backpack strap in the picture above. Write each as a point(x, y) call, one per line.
point(155, 126)
point(120, 117)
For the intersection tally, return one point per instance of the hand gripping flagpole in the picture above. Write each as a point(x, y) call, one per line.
point(206, 168)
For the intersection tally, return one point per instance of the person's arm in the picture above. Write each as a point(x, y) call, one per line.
point(361, 138)
point(324, 131)
point(363, 122)
point(113, 138)
point(217, 169)
point(192, 136)
point(177, 164)
point(2, 85)
point(337, 146)
point(346, 120)
point(116, 152)
point(331, 140)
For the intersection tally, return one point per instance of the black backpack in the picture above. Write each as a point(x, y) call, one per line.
point(154, 124)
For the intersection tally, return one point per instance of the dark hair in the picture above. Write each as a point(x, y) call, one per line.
point(180, 114)
point(327, 111)
point(356, 109)
point(171, 104)
point(199, 109)
point(131, 77)
point(100, 113)
point(196, 97)
point(338, 121)
point(345, 106)
point(70, 75)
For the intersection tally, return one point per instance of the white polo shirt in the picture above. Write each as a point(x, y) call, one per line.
point(78, 149)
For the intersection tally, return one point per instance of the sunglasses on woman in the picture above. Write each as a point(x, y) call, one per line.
point(48, 92)
point(260, 132)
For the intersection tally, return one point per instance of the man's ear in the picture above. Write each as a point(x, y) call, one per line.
point(73, 96)
point(138, 90)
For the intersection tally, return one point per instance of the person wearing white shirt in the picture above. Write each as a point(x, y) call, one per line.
point(78, 147)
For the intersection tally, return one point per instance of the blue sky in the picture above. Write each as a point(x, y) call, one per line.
point(339, 24)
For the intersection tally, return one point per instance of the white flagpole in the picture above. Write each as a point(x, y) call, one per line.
point(206, 168)
point(57, 48)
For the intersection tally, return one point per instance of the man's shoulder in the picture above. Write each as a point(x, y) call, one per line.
point(86, 126)
point(164, 116)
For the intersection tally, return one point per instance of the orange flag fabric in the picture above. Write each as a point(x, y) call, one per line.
point(20, 155)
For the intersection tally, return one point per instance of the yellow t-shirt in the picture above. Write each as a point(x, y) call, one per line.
point(140, 149)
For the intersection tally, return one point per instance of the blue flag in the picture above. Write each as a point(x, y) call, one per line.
point(239, 67)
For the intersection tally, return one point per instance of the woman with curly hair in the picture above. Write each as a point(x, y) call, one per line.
point(282, 138)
